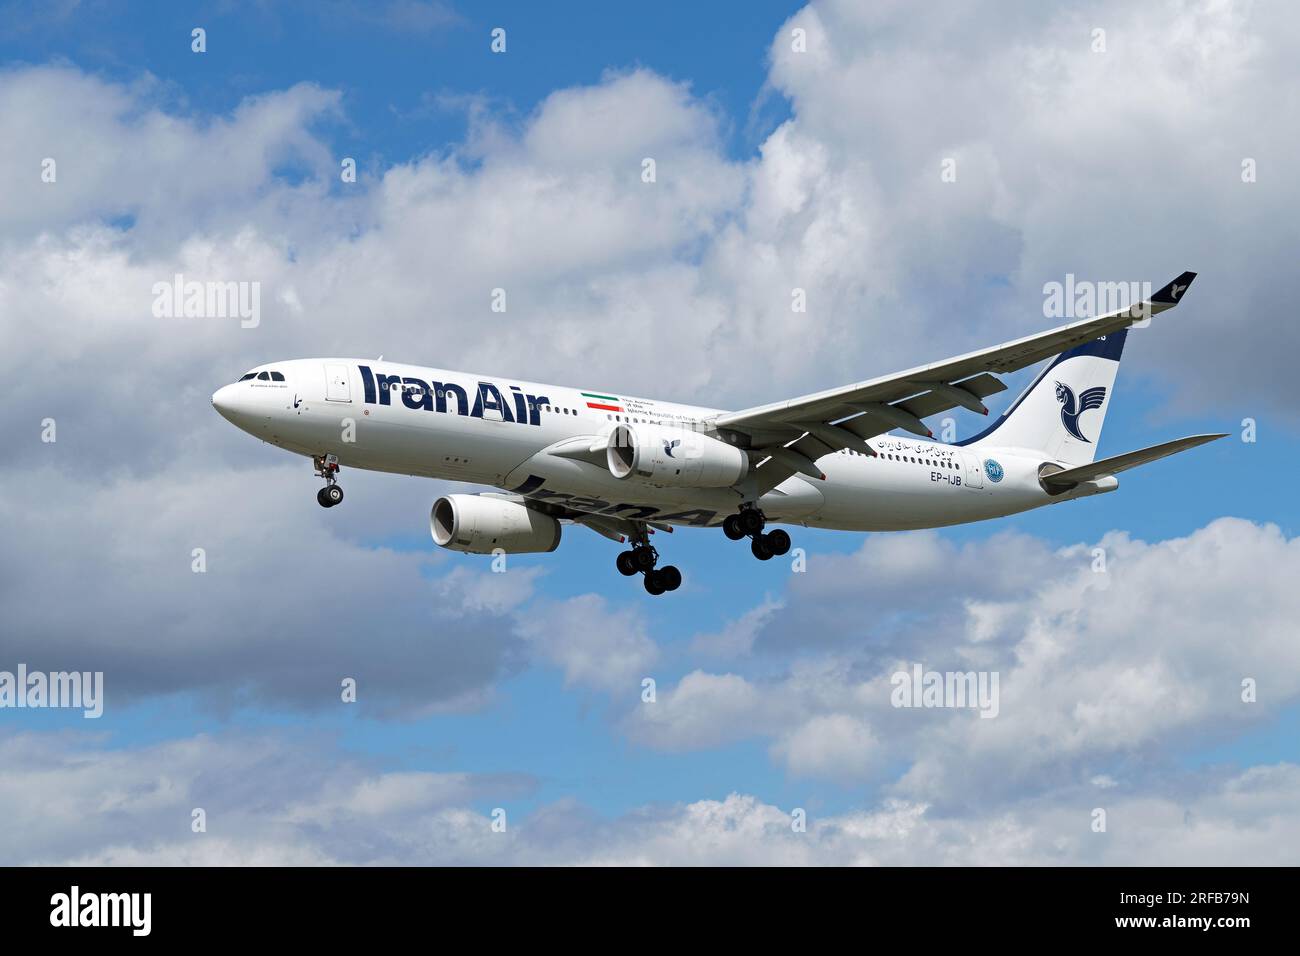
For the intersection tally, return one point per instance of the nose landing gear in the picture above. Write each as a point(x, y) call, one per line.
point(641, 559)
point(327, 466)
point(749, 522)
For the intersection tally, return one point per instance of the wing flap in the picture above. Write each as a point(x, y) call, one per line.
point(933, 402)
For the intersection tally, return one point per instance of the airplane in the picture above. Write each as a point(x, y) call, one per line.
point(628, 467)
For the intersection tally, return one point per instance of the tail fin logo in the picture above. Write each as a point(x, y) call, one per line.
point(1070, 412)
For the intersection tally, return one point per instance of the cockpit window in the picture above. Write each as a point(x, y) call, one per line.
point(264, 377)
point(245, 378)
point(277, 377)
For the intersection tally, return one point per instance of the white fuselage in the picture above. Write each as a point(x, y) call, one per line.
point(384, 416)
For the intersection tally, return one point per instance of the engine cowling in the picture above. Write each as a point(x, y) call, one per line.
point(673, 457)
point(478, 524)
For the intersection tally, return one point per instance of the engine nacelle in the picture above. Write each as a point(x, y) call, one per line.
point(478, 524)
point(673, 457)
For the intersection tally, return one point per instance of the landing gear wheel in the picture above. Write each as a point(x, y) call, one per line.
point(644, 557)
point(750, 521)
point(654, 582)
point(670, 577)
point(320, 497)
point(778, 542)
point(626, 563)
point(731, 527)
point(762, 550)
point(330, 495)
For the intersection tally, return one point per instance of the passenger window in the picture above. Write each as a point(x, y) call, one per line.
point(277, 377)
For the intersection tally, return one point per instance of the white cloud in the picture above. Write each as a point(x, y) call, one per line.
point(703, 710)
point(1093, 669)
point(737, 637)
point(105, 580)
point(595, 645)
point(830, 746)
point(278, 801)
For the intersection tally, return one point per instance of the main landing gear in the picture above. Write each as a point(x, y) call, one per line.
point(327, 466)
point(641, 559)
point(749, 523)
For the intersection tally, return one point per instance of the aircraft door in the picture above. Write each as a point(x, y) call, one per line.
point(336, 384)
point(974, 473)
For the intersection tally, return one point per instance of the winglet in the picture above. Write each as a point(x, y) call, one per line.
point(1173, 292)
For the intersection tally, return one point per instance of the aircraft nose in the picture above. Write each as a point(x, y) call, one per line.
point(223, 400)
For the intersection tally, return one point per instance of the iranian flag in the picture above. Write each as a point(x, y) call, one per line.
point(606, 403)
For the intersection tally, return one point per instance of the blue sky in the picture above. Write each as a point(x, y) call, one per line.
point(406, 88)
point(908, 277)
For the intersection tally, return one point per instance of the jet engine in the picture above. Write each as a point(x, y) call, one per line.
point(673, 457)
point(480, 524)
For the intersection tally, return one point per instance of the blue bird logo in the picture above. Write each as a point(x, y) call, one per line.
point(1089, 398)
point(670, 445)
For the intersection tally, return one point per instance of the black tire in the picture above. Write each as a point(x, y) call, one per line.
point(778, 542)
point(731, 527)
point(750, 521)
point(321, 499)
point(654, 583)
point(671, 577)
point(760, 547)
point(333, 494)
point(644, 558)
point(626, 566)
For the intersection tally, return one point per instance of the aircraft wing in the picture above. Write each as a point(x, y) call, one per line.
point(796, 433)
point(1111, 466)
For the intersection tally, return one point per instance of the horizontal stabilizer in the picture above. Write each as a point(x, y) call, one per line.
point(1112, 466)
